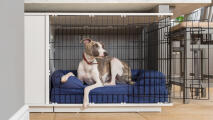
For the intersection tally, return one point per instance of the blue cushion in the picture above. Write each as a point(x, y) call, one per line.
point(151, 74)
point(150, 87)
point(72, 82)
point(151, 78)
point(136, 73)
point(112, 94)
point(140, 76)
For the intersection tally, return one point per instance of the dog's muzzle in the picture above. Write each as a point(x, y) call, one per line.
point(105, 54)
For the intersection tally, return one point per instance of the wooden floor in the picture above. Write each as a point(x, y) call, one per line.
point(196, 110)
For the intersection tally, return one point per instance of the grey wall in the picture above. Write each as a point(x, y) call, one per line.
point(12, 57)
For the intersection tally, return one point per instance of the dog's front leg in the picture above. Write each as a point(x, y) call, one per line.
point(87, 90)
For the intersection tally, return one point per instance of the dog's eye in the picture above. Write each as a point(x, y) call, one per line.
point(102, 44)
point(96, 45)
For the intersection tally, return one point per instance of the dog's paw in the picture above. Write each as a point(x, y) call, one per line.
point(82, 108)
point(85, 105)
point(64, 79)
point(109, 84)
point(70, 74)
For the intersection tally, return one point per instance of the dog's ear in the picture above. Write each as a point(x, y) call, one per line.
point(102, 44)
point(86, 41)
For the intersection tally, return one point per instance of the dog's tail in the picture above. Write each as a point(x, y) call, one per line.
point(131, 83)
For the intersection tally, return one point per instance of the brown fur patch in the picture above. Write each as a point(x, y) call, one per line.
point(89, 47)
point(127, 75)
point(104, 65)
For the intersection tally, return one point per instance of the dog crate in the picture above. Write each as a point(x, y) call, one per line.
point(140, 40)
point(191, 53)
point(158, 52)
point(191, 50)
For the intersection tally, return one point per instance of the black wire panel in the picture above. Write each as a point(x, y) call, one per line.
point(191, 48)
point(140, 41)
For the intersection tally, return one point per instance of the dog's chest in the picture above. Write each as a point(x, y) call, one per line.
point(87, 72)
point(90, 69)
point(102, 69)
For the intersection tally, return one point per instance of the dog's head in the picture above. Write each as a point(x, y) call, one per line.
point(94, 48)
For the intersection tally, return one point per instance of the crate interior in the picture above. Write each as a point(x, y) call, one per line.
point(140, 41)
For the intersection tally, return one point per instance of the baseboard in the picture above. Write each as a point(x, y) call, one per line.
point(21, 114)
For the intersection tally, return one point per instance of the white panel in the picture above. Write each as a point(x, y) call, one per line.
point(35, 59)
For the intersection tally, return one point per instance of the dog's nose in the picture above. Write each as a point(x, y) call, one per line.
point(105, 54)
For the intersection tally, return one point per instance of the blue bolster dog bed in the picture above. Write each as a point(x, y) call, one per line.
point(149, 87)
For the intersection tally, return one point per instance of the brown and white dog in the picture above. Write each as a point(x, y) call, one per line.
point(98, 70)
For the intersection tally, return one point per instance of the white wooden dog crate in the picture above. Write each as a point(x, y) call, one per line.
point(37, 54)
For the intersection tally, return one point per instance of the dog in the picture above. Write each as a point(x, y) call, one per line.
point(97, 69)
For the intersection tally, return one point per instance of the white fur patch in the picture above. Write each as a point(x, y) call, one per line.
point(105, 77)
point(116, 69)
point(101, 50)
point(87, 72)
point(117, 66)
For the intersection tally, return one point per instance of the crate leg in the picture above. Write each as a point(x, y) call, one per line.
point(186, 92)
point(203, 92)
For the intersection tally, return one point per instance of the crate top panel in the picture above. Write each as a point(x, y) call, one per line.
point(178, 7)
point(87, 21)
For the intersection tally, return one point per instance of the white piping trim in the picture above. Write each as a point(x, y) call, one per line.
point(21, 114)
